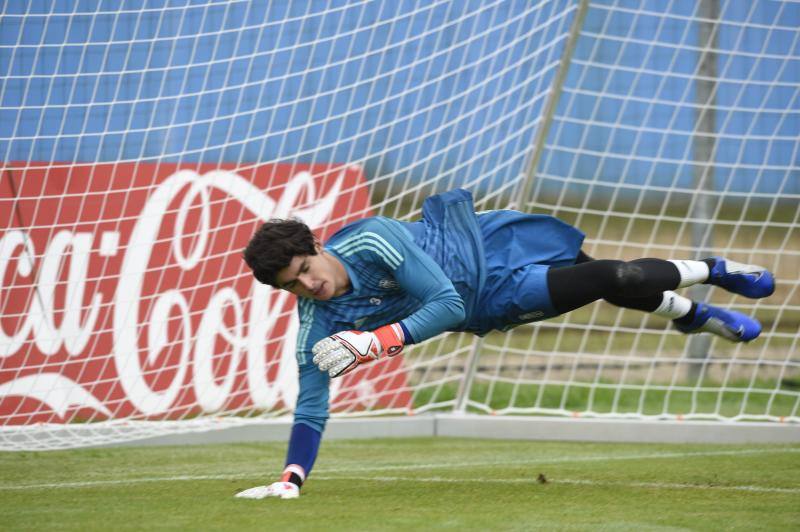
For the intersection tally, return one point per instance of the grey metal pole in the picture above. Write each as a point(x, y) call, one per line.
point(524, 189)
point(704, 144)
point(470, 368)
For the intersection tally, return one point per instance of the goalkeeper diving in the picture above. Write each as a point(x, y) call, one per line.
point(380, 284)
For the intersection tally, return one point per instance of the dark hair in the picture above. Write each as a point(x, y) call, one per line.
point(274, 245)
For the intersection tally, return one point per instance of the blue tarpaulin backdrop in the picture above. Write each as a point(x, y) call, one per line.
point(414, 90)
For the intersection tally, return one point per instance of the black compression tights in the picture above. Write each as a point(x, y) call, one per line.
point(636, 284)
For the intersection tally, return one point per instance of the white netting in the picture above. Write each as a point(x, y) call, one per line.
point(142, 145)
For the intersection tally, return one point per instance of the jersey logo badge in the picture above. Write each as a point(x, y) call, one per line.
point(388, 284)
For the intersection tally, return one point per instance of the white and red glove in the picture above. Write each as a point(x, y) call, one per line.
point(283, 489)
point(340, 353)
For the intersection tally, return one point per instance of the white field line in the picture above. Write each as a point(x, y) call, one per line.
point(559, 481)
point(118, 482)
point(558, 460)
point(319, 473)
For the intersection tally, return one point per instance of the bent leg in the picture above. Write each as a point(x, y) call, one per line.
point(646, 285)
point(637, 284)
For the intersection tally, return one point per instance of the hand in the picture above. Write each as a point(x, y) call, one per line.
point(284, 490)
point(340, 353)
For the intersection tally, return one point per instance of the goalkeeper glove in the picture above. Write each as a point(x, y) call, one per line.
point(287, 488)
point(284, 490)
point(340, 353)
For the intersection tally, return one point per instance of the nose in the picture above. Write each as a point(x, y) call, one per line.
point(306, 281)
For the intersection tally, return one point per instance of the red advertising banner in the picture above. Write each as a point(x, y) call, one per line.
point(124, 292)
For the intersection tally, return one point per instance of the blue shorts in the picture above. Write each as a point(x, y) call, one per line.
point(519, 249)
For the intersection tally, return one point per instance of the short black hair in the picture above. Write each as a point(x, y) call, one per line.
point(274, 245)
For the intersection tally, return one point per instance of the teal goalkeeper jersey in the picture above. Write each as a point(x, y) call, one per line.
point(392, 279)
point(451, 271)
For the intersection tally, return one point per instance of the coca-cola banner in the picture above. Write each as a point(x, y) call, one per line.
point(124, 292)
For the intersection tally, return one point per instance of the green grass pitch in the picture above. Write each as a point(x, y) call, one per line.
point(409, 484)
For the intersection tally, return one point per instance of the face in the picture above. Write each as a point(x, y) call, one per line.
point(312, 276)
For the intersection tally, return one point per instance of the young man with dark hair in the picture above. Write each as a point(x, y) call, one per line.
point(379, 284)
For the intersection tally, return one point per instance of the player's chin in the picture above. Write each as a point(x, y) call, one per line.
point(323, 294)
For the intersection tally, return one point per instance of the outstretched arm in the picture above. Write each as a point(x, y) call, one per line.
point(419, 275)
point(310, 417)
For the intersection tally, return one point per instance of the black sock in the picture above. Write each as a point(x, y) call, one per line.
point(689, 318)
point(710, 263)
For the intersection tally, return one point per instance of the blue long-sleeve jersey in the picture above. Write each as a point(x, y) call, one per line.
point(392, 280)
point(451, 271)
point(427, 275)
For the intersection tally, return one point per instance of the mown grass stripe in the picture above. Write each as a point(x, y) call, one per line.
point(319, 474)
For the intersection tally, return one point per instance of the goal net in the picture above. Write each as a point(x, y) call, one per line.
point(141, 146)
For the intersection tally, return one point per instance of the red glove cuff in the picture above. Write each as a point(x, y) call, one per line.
point(391, 338)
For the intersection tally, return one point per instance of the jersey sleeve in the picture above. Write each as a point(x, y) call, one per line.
point(312, 396)
point(388, 245)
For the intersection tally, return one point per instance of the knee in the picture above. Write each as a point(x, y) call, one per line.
point(626, 278)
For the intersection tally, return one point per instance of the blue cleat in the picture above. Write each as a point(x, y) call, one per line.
point(743, 279)
point(729, 324)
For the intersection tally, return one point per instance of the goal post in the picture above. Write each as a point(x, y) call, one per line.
point(141, 146)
